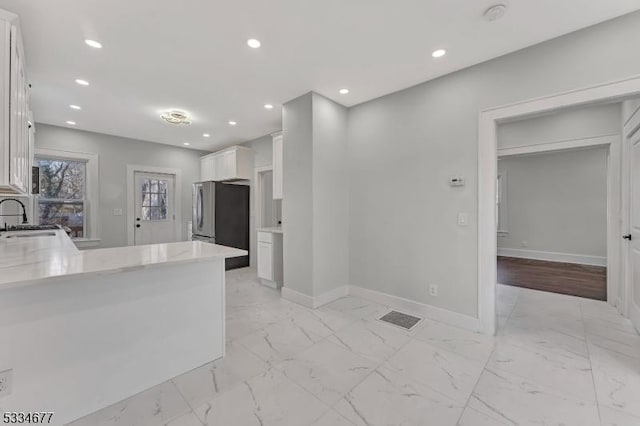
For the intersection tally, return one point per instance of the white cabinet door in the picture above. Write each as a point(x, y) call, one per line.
point(265, 261)
point(219, 167)
point(277, 167)
point(229, 164)
point(207, 168)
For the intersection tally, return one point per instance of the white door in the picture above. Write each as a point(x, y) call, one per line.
point(154, 216)
point(634, 231)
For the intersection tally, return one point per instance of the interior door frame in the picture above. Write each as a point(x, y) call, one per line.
point(487, 173)
point(132, 169)
point(257, 194)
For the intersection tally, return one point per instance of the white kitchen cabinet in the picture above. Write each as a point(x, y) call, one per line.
point(277, 165)
point(16, 159)
point(270, 267)
point(207, 168)
point(234, 163)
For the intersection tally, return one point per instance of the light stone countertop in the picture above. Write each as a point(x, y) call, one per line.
point(25, 261)
point(273, 229)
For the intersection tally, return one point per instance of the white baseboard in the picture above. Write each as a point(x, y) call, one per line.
point(554, 257)
point(297, 297)
point(330, 296)
point(417, 308)
point(394, 302)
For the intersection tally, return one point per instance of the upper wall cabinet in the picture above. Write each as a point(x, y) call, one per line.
point(234, 163)
point(15, 123)
point(277, 165)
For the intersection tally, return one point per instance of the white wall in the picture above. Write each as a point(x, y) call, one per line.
point(574, 123)
point(115, 153)
point(403, 148)
point(262, 156)
point(557, 202)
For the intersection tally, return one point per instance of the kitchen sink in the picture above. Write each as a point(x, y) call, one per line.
point(26, 234)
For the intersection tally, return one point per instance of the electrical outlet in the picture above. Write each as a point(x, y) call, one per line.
point(433, 290)
point(6, 378)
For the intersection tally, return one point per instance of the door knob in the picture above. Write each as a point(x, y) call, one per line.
point(627, 237)
point(138, 219)
point(138, 225)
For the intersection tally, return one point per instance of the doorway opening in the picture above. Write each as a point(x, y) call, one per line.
point(619, 264)
point(553, 201)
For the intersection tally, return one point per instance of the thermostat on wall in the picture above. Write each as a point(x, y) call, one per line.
point(456, 181)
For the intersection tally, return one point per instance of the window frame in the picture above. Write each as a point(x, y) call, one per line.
point(91, 218)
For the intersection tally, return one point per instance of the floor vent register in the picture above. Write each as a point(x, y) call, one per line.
point(405, 321)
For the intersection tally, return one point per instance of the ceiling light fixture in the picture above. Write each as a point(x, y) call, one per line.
point(495, 12)
point(268, 106)
point(232, 123)
point(344, 91)
point(75, 107)
point(71, 123)
point(439, 53)
point(176, 117)
point(206, 135)
point(94, 44)
point(82, 82)
point(186, 144)
point(253, 43)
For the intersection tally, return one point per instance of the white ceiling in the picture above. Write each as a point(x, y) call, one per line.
point(192, 54)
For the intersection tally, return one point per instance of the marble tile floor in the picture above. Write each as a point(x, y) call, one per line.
point(556, 360)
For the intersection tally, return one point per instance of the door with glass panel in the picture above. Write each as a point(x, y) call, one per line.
point(154, 218)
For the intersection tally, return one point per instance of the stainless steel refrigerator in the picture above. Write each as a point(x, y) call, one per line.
point(221, 216)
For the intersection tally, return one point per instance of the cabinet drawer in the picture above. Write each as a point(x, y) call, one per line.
point(265, 237)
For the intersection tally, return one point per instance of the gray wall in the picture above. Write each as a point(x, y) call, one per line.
point(115, 153)
point(297, 203)
point(330, 196)
point(315, 200)
point(571, 124)
point(403, 147)
point(557, 202)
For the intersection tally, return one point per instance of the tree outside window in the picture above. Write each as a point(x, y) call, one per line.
point(62, 199)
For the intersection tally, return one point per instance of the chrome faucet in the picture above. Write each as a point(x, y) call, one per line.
point(24, 211)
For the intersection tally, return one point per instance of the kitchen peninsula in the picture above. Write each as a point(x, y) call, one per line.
point(77, 324)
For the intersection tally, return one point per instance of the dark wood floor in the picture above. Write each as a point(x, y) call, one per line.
point(554, 277)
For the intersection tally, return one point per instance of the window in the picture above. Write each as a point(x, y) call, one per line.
point(501, 203)
point(154, 199)
point(68, 193)
point(63, 193)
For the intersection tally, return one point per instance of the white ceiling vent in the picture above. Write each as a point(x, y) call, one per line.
point(495, 12)
point(176, 117)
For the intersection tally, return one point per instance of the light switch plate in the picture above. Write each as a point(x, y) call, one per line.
point(6, 379)
point(463, 219)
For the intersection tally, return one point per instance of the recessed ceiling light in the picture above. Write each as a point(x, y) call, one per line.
point(439, 53)
point(93, 44)
point(232, 123)
point(344, 91)
point(268, 106)
point(253, 43)
point(206, 135)
point(82, 82)
point(75, 107)
point(71, 123)
point(186, 144)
